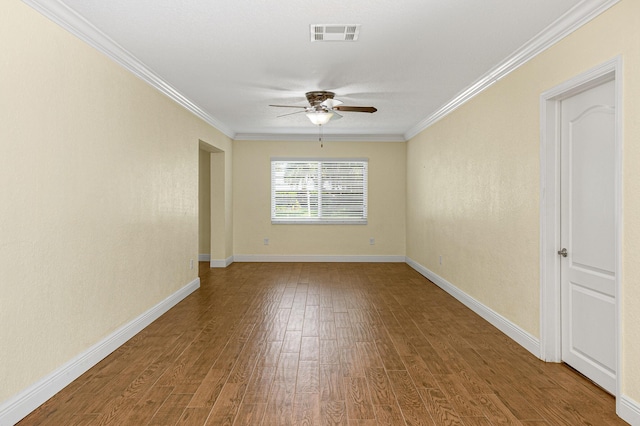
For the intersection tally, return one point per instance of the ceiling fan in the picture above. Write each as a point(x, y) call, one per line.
point(323, 107)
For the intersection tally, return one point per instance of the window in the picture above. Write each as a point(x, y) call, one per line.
point(319, 191)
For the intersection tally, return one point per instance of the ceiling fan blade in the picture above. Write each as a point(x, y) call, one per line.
point(355, 108)
point(291, 113)
point(287, 106)
point(335, 116)
point(331, 103)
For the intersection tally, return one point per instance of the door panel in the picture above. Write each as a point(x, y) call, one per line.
point(594, 313)
point(588, 223)
point(592, 185)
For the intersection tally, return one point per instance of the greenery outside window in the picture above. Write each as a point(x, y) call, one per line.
point(319, 191)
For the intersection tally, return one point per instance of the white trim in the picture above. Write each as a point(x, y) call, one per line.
point(579, 15)
point(221, 263)
point(20, 405)
point(550, 322)
point(517, 334)
point(204, 257)
point(550, 342)
point(301, 221)
point(316, 258)
point(68, 19)
point(628, 410)
point(313, 137)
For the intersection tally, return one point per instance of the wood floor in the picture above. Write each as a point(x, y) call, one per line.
point(324, 343)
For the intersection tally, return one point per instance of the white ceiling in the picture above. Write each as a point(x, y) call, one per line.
point(232, 58)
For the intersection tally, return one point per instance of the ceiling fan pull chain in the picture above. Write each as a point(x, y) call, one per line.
point(320, 136)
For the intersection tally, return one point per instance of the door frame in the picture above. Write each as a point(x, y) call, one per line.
point(550, 303)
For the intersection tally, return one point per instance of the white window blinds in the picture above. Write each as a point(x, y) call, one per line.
point(319, 191)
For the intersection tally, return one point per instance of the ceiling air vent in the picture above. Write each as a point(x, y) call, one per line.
point(335, 32)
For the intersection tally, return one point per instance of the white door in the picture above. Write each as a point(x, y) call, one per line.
point(588, 224)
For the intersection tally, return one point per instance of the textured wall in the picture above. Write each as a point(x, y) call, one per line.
point(252, 202)
point(98, 201)
point(473, 182)
point(204, 206)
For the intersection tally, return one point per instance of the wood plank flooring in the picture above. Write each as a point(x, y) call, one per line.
point(326, 344)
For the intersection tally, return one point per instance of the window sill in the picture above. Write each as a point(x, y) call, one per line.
point(318, 222)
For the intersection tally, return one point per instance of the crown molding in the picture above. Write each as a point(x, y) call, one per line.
point(71, 21)
point(310, 137)
point(579, 15)
point(573, 19)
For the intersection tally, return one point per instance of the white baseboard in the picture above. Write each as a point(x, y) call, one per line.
point(316, 258)
point(221, 263)
point(17, 407)
point(204, 257)
point(516, 333)
point(628, 410)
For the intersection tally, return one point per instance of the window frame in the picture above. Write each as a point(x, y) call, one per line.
point(360, 220)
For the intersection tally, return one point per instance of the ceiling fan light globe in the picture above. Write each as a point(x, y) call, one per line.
point(319, 118)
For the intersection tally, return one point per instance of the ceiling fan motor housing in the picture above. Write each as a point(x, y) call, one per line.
point(317, 97)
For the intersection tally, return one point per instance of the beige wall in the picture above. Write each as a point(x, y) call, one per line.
point(252, 202)
point(474, 177)
point(204, 204)
point(221, 218)
point(99, 195)
point(98, 201)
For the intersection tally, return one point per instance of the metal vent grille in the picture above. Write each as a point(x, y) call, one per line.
point(334, 32)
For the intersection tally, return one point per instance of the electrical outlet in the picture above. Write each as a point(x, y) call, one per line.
point(440, 260)
point(191, 263)
point(266, 241)
point(372, 241)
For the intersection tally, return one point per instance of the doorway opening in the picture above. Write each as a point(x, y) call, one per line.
point(213, 205)
point(204, 205)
